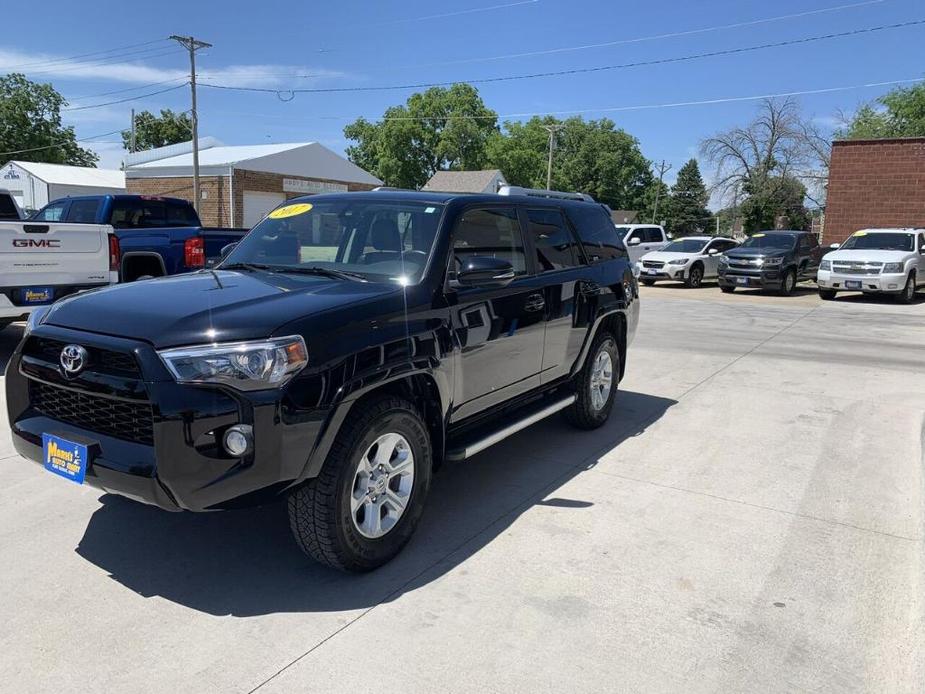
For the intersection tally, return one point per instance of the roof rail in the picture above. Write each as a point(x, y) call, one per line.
point(540, 193)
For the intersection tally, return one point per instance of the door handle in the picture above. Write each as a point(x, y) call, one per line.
point(535, 302)
point(589, 288)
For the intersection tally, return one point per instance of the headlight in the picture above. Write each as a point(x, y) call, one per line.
point(243, 365)
point(36, 318)
point(894, 267)
point(679, 261)
point(773, 261)
point(825, 265)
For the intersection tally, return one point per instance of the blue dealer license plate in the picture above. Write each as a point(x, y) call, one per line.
point(37, 295)
point(64, 457)
point(852, 284)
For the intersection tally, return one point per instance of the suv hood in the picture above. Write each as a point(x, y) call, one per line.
point(196, 309)
point(665, 256)
point(870, 255)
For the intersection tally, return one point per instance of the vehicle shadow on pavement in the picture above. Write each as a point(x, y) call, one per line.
point(245, 563)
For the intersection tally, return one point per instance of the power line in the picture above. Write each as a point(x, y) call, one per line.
point(88, 65)
point(58, 144)
point(122, 101)
point(82, 55)
point(290, 93)
point(461, 12)
point(127, 89)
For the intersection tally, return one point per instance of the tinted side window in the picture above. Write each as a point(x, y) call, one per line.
point(138, 214)
point(653, 235)
point(597, 233)
point(181, 214)
point(51, 213)
point(82, 211)
point(7, 208)
point(638, 234)
point(555, 247)
point(493, 232)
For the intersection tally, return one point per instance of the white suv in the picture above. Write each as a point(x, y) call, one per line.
point(888, 261)
point(689, 260)
point(639, 239)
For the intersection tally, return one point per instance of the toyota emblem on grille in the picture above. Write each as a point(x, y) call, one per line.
point(73, 359)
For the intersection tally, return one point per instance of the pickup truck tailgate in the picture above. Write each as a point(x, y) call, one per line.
point(51, 254)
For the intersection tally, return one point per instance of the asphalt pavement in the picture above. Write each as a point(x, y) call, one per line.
point(751, 519)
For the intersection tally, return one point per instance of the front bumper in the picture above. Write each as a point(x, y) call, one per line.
point(150, 438)
point(887, 283)
point(769, 277)
point(675, 273)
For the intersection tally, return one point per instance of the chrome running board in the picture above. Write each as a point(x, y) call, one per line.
point(480, 445)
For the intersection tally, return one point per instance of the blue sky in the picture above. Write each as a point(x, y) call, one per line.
point(361, 44)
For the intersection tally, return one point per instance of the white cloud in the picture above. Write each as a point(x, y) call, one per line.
point(43, 66)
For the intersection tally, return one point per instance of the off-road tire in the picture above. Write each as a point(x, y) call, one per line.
point(319, 508)
point(786, 288)
point(581, 413)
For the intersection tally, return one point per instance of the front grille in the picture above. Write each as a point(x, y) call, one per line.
point(103, 360)
point(743, 263)
point(117, 418)
point(847, 267)
point(655, 264)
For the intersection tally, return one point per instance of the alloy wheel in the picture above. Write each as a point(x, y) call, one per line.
point(382, 485)
point(601, 379)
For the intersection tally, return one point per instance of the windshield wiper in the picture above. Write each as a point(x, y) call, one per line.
point(324, 272)
point(247, 266)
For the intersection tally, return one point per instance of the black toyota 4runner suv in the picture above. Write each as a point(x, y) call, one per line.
point(775, 260)
point(341, 351)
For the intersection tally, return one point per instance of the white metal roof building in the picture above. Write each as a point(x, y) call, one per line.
point(34, 185)
point(240, 184)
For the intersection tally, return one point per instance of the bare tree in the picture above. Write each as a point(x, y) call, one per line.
point(779, 143)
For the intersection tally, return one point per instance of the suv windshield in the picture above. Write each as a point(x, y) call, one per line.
point(863, 240)
point(685, 246)
point(771, 241)
point(380, 240)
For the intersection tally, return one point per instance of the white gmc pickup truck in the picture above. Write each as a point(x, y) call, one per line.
point(41, 262)
point(887, 261)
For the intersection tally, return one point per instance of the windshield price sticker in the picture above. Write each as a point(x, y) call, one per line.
point(860, 233)
point(290, 210)
point(757, 236)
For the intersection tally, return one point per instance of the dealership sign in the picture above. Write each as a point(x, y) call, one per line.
point(12, 175)
point(294, 185)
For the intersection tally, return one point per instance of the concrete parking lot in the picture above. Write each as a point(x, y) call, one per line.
point(751, 519)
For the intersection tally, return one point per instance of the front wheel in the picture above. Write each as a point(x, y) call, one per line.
point(596, 384)
point(788, 283)
point(827, 294)
point(727, 290)
point(694, 278)
point(367, 500)
point(907, 295)
point(648, 283)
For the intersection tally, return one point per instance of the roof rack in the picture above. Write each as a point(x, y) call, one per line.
point(540, 193)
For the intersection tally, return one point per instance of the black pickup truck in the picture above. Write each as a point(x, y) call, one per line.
point(775, 260)
point(341, 351)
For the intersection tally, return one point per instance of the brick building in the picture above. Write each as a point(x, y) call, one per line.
point(238, 185)
point(875, 183)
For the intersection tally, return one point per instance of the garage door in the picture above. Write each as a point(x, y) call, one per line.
point(256, 205)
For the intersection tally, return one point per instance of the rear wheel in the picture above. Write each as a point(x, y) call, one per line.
point(596, 384)
point(827, 294)
point(788, 283)
point(695, 277)
point(907, 295)
point(369, 496)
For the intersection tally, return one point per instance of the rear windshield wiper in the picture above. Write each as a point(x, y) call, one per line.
point(324, 272)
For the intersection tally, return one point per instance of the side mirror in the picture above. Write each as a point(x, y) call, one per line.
point(227, 249)
point(834, 245)
point(713, 251)
point(484, 271)
point(635, 241)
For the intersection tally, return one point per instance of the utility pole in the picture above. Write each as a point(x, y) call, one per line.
point(662, 169)
point(132, 142)
point(552, 130)
point(192, 45)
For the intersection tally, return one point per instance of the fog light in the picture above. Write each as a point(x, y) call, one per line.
point(239, 440)
point(894, 286)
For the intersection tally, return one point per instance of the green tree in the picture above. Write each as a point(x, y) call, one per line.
point(435, 130)
point(593, 157)
point(158, 131)
point(775, 203)
point(901, 113)
point(687, 204)
point(30, 125)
